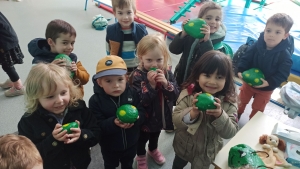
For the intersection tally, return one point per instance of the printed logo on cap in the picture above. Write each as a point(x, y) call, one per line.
point(108, 62)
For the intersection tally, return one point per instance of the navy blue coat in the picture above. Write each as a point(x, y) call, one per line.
point(275, 64)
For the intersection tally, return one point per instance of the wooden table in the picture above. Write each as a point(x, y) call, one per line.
point(249, 134)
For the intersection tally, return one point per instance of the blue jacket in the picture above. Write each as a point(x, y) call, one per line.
point(40, 50)
point(104, 107)
point(275, 64)
point(114, 36)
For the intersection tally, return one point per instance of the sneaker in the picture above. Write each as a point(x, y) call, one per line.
point(142, 162)
point(14, 92)
point(157, 156)
point(7, 84)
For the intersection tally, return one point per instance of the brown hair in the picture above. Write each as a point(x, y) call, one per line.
point(18, 152)
point(208, 63)
point(283, 20)
point(206, 6)
point(123, 3)
point(57, 26)
point(42, 80)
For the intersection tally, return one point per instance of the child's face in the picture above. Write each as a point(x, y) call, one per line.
point(213, 18)
point(153, 59)
point(273, 35)
point(63, 44)
point(125, 16)
point(57, 101)
point(211, 83)
point(113, 85)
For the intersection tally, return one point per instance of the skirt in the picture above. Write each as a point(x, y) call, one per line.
point(11, 57)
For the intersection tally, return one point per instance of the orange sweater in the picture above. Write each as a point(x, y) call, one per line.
point(81, 76)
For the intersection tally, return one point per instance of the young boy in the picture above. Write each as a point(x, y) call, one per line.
point(118, 140)
point(18, 152)
point(123, 36)
point(60, 39)
point(271, 53)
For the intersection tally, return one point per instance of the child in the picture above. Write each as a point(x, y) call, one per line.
point(60, 39)
point(18, 152)
point(118, 140)
point(192, 49)
point(198, 134)
point(271, 53)
point(10, 54)
point(158, 91)
point(52, 101)
point(123, 36)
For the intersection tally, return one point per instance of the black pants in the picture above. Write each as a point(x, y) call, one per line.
point(179, 163)
point(11, 72)
point(112, 158)
point(144, 137)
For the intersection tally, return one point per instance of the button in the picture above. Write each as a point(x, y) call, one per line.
point(85, 136)
point(43, 134)
point(50, 120)
point(54, 143)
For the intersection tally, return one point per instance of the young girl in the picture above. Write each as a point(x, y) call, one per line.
point(192, 49)
point(10, 54)
point(198, 134)
point(52, 101)
point(158, 91)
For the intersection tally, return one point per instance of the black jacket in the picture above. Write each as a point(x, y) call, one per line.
point(275, 64)
point(39, 125)
point(40, 51)
point(8, 37)
point(112, 136)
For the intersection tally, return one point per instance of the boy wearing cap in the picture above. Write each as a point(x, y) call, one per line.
point(118, 140)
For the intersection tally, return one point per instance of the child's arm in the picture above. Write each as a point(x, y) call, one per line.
point(171, 92)
point(183, 107)
point(245, 61)
point(47, 146)
point(82, 74)
point(106, 124)
point(226, 125)
point(177, 44)
point(144, 89)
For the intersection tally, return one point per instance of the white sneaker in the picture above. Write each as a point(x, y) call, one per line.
point(14, 92)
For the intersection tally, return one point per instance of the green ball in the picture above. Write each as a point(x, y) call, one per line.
point(153, 68)
point(205, 101)
point(68, 126)
point(68, 61)
point(252, 76)
point(127, 113)
point(193, 28)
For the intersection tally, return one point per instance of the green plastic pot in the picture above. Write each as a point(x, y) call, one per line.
point(205, 101)
point(68, 126)
point(127, 113)
point(193, 28)
point(68, 62)
point(253, 76)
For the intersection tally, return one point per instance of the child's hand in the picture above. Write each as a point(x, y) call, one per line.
point(161, 78)
point(151, 75)
point(240, 75)
point(58, 134)
point(183, 33)
point(73, 67)
point(123, 125)
point(205, 30)
point(60, 62)
point(74, 136)
point(194, 113)
point(264, 84)
point(215, 112)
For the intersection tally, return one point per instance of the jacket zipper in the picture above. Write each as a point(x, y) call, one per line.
point(122, 130)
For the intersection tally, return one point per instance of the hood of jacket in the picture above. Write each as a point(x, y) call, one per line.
point(40, 51)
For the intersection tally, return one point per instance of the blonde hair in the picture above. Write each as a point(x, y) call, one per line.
point(150, 42)
point(18, 152)
point(208, 5)
point(123, 3)
point(42, 80)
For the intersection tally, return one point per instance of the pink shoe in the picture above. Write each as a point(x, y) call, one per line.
point(157, 156)
point(142, 162)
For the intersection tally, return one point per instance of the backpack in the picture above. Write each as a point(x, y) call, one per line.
point(240, 52)
point(99, 22)
point(290, 95)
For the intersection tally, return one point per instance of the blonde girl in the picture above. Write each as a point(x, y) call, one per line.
point(198, 136)
point(158, 91)
point(51, 101)
point(192, 49)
